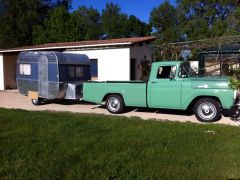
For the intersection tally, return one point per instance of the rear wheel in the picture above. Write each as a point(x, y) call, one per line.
point(207, 110)
point(115, 104)
point(37, 102)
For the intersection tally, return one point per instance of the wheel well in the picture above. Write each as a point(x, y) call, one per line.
point(191, 105)
point(105, 97)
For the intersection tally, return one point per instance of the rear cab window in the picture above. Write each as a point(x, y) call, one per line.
point(186, 71)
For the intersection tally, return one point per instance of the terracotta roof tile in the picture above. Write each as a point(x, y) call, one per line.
point(76, 44)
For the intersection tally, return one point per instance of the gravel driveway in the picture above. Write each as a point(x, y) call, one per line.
point(12, 99)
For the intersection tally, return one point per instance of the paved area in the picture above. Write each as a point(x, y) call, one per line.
point(13, 100)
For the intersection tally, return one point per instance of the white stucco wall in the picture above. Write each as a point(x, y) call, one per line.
point(113, 64)
point(2, 83)
point(138, 52)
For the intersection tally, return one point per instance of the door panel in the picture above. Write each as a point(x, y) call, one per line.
point(43, 76)
point(165, 89)
point(165, 93)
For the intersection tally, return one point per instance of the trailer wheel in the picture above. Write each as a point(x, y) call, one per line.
point(115, 104)
point(37, 102)
point(207, 110)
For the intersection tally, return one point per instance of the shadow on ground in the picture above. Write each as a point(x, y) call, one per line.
point(127, 109)
point(152, 110)
point(65, 102)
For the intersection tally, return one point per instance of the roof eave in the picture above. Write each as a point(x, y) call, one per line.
point(66, 47)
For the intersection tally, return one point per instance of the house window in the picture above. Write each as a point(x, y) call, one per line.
point(94, 67)
point(75, 71)
point(25, 69)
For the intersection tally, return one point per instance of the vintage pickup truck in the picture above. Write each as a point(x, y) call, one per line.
point(171, 85)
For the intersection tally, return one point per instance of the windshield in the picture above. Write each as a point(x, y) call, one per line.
point(186, 71)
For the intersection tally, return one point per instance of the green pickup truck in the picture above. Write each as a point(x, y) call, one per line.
point(171, 85)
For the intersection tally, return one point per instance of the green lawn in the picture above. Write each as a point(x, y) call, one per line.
point(55, 145)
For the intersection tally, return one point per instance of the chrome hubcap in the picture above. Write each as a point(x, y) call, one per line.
point(113, 104)
point(35, 101)
point(207, 111)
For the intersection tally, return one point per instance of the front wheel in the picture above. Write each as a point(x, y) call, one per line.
point(207, 110)
point(115, 104)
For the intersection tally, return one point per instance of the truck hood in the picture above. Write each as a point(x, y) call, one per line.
point(210, 83)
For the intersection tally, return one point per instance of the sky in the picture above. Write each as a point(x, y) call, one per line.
point(139, 8)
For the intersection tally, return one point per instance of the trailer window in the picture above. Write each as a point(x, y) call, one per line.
point(71, 71)
point(79, 71)
point(75, 71)
point(25, 69)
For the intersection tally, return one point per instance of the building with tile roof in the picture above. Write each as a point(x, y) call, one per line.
point(112, 59)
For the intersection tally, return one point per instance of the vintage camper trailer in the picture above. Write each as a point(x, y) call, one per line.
point(51, 75)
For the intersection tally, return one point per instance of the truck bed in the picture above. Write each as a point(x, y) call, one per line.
point(133, 92)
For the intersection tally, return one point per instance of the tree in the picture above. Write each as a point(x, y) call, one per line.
point(135, 27)
point(60, 26)
point(206, 19)
point(194, 20)
point(54, 28)
point(113, 21)
point(165, 22)
point(85, 24)
point(116, 24)
point(18, 18)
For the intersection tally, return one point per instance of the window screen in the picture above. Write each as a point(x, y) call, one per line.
point(25, 69)
point(71, 71)
point(75, 71)
point(79, 71)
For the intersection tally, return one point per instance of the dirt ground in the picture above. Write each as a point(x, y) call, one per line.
point(11, 99)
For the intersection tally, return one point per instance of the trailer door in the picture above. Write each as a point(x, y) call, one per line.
point(43, 76)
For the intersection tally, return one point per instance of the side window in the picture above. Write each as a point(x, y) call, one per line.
point(71, 71)
point(79, 71)
point(166, 72)
point(25, 69)
point(75, 71)
point(186, 71)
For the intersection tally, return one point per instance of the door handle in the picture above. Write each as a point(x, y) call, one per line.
point(153, 82)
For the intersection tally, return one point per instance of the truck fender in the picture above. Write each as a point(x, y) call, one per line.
point(106, 95)
point(192, 103)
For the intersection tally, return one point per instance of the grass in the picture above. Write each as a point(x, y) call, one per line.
point(55, 145)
